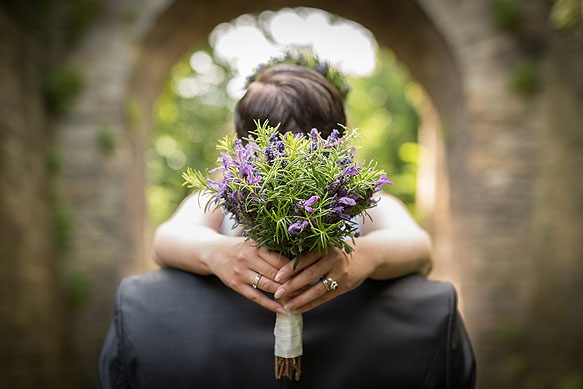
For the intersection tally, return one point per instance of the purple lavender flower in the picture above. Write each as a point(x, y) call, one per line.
point(306, 204)
point(274, 150)
point(219, 187)
point(297, 227)
point(340, 211)
point(280, 147)
point(313, 147)
point(314, 134)
point(350, 171)
point(241, 164)
point(248, 171)
point(322, 69)
point(346, 201)
point(333, 137)
point(383, 180)
point(235, 195)
point(311, 201)
point(269, 155)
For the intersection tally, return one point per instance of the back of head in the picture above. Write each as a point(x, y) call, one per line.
point(294, 96)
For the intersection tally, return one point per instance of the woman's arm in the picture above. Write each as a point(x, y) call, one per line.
point(190, 241)
point(394, 242)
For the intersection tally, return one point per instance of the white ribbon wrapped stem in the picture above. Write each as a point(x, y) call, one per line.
point(288, 334)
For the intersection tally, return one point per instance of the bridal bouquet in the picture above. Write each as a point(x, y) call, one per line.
point(292, 194)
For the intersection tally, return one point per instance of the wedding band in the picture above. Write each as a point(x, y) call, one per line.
point(256, 282)
point(329, 284)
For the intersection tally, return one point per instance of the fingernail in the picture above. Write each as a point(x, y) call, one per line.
point(279, 276)
point(280, 310)
point(278, 293)
point(289, 306)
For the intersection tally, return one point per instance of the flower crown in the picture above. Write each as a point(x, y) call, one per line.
point(309, 60)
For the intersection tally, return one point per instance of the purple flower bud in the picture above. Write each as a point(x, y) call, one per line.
point(333, 135)
point(280, 146)
point(322, 69)
point(311, 201)
point(350, 171)
point(314, 134)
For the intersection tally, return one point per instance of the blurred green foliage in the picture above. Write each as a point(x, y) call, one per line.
point(525, 79)
point(62, 87)
point(53, 160)
point(186, 132)
point(507, 14)
point(567, 14)
point(106, 139)
point(187, 128)
point(62, 221)
point(380, 106)
point(81, 15)
point(78, 290)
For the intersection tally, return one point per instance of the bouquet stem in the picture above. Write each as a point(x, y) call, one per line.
point(288, 348)
point(288, 367)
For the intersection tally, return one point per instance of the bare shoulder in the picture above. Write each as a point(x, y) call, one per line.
point(198, 209)
point(390, 212)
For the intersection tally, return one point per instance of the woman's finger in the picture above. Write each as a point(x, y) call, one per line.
point(274, 259)
point(306, 277)
point(257, 297)
point(313, 297)
point(263, 283)
point(288, 269)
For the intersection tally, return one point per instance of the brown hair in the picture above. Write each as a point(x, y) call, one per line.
point(296, 97)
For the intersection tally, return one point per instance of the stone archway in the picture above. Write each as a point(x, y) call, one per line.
point(175, 35)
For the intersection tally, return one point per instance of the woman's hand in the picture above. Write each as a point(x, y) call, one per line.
point(386, 250)
point(249, 270)
point(391, 246)
point(304, 287)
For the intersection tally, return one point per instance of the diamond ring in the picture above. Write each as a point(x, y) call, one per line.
point(329, 284)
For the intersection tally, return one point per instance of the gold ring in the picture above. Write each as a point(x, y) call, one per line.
point(329, 284)
point(256, 282)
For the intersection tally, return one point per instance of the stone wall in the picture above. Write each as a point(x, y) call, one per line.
point(30, 309)
point(516, 197)
point(504, 83)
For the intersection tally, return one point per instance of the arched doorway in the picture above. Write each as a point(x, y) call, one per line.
point(401, 26)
